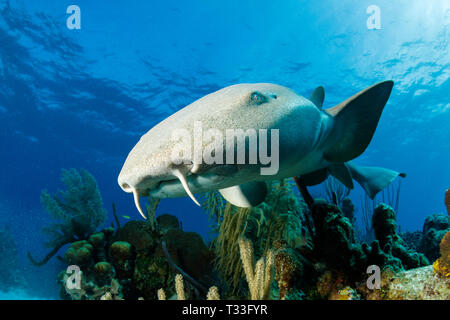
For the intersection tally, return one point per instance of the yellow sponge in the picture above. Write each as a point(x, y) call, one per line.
point(442, 265)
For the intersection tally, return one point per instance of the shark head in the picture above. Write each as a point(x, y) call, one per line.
point(153, 167)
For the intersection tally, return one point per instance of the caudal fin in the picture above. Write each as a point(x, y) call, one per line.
point(373, 179)
point(355, 121)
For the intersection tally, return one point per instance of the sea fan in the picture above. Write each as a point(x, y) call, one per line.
point(78, 210)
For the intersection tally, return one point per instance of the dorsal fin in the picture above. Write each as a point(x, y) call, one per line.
point(355, 121)
point(317, 97)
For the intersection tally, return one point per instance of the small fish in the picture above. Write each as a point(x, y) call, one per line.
point(126, 217)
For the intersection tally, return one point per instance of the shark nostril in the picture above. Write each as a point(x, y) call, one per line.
point(126, 187)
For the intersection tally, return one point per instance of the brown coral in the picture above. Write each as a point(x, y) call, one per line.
point(333, 286)
point(286, 267)
point(138, 234)
point(103, 273)
point(347, 293)
point(97, 239)
point(103, 269)
point(442, 265)
point(190, 253)
point(120, 250)
point(79, 253)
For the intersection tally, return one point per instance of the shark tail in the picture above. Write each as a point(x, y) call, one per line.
point(373, 179)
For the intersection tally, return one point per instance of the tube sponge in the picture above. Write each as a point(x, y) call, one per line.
point(259, 277)
point(213, 294)
point(179, 287)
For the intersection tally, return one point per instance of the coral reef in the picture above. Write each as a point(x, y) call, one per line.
point(91, 289)
point(99, 279)
point(78, 211)
point(80, 253)
point(259, 276)
point(344, 261)
point(332, 286)
point(179, 287)
point(333, 242)
point(227, 257)
point(279, 217)
point(139, 234)
point(414, 284)
point(385, 227)
point(348, 209)
point(442, 265)
point(288, 270)
point(121, 254)
point(187, 249)
point(104, 272)
point(213, 293)
point(130, 262)
point(180, 294)
point(412, 239)
point(434, 229)
point(281, 249)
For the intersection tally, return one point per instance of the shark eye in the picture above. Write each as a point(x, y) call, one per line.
point(258, 98)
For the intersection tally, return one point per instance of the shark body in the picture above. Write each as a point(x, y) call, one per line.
point(312, 142)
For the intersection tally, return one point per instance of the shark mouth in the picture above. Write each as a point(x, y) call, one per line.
point(180, 176)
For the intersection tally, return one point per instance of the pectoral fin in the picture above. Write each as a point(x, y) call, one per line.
point(355, 121)
point(338, 170)
point(245, 195)
point(315, 177)
point(341, 172)
point(373, 179)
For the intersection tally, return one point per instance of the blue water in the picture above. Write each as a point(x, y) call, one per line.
point(82, 98)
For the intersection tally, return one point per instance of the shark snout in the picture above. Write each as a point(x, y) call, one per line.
point(138, 185)
point(125, 186)
point(128, 182)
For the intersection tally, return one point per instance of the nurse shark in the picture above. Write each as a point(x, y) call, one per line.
point(311, 142)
